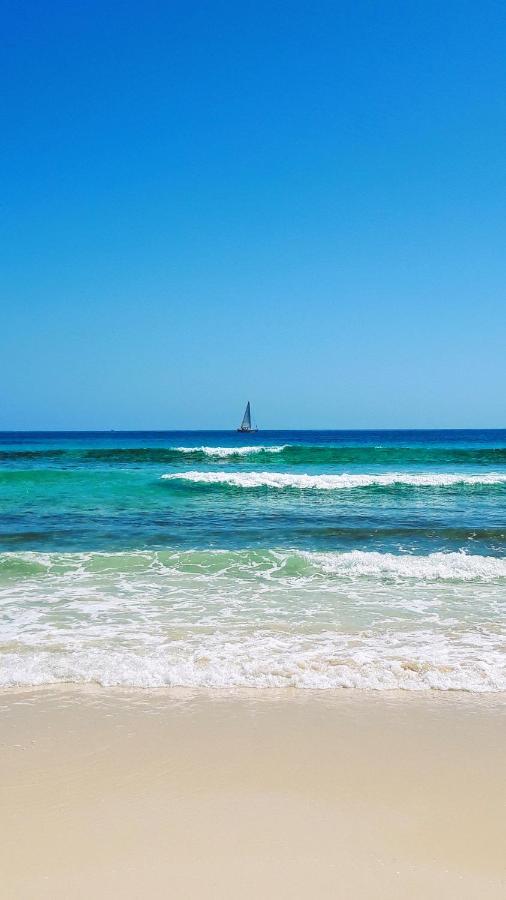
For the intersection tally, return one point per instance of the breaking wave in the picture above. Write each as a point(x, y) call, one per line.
point(137, 454)
point(264, 564)
point(288, 454)
point(254, 618)
point(223, 452)
point(280, 480)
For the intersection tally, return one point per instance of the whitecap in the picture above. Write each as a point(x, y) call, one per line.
point(336, 482)
point(222, 452)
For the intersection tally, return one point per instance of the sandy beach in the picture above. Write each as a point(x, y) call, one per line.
point(253, 451)
point(251, 794)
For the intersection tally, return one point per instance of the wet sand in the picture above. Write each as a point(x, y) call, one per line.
point(253, 794)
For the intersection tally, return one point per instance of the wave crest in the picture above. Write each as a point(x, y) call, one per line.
point(289, 454)
point(255, 564)
point(334, 482)
point(224, 452)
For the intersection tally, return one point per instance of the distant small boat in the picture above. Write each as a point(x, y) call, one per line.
point(246, 425)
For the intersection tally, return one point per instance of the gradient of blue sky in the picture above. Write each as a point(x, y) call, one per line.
point(301, 203)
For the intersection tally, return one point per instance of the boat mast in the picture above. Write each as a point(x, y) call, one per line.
point(246, 422)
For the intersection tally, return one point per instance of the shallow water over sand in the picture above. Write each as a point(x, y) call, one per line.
point(311, 560)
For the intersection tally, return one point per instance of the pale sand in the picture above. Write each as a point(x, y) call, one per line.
point(109, 794)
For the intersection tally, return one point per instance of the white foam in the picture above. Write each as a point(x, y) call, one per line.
point(433, 567)
point(290, 565)
point(270, 660)
point(248, 618)
point(335, 482)
point(222, 452)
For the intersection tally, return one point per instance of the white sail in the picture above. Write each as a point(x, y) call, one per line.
point(246, 420)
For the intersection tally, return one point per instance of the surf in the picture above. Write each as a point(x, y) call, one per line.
point(268, 564)
point(287, 454)
point(331, 482)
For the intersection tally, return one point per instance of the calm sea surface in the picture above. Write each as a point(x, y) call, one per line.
point(307, 559)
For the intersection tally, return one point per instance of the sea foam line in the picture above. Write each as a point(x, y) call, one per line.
point(433, 567)
point(263, 659)
point(335, 482)
point(281, 565)
point(230, 451)
point(253, 618)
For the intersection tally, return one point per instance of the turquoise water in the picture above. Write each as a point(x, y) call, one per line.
point(302, 559)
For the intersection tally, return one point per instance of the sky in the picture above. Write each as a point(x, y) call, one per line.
point(302, 204)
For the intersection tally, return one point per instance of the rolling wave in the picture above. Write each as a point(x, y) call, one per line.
point(288, 454)
point(264, 564)
point(224, 452)
point(281, 480)
point(138, 454)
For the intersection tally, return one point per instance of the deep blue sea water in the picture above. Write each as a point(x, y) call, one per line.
point(306, 559)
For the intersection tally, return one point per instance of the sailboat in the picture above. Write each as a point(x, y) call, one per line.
point(246, 425)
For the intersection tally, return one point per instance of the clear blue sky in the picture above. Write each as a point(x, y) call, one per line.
point(299, 203)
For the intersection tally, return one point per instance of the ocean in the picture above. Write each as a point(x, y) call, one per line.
point(308, 560)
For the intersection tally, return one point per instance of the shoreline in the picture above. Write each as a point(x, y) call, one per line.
point(334, 695)
point(238, 692)
point(285, 793)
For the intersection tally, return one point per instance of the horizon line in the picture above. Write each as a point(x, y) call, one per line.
point(233, 430)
